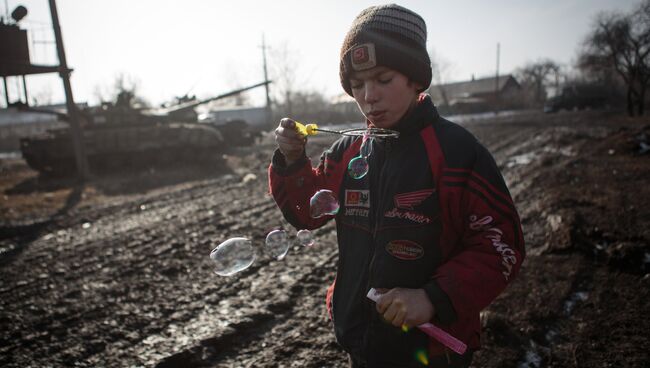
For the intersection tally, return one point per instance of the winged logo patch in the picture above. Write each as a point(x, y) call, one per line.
point(409, 200)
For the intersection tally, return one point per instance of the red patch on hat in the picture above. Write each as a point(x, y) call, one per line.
point(360, 55)
point(363, 56)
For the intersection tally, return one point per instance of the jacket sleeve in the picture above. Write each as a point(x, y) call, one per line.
point(293, 186)
point(485, 246)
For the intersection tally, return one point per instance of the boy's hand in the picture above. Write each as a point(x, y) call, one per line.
point(290, 143)
point(410, 307)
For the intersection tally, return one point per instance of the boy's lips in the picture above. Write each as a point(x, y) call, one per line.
point(376, 114)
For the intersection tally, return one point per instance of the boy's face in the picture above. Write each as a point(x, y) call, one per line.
point(384, 95)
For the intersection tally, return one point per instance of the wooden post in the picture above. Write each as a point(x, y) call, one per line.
point(25, 91)
point(73, 113)
point(496, 84)
point(269, 115)
point(4, 79)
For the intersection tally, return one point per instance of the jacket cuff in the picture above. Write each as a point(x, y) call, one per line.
point(444, 310)
point(279, 165)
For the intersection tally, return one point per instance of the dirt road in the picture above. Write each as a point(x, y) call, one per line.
point(117, 273)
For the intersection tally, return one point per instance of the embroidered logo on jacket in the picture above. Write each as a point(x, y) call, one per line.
point(357, 203)
point(494, 234)
point(357, 198)
point(405, 250)
point(405, 203)
point(411, 199)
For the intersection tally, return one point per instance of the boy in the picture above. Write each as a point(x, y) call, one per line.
point(432, 225)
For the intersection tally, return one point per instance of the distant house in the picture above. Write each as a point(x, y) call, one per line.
point(478, 95)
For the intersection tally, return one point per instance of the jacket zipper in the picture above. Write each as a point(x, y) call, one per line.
point(376, 215)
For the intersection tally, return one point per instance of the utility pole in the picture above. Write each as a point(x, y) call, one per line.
point(4, 80)
point(266, 86)
point(496, 84)
point(73, 113)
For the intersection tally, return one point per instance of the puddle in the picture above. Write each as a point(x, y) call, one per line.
point(7, 249)
point(578, 296)
point(532, 358)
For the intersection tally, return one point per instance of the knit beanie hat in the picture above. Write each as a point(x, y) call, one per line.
point(390, 36)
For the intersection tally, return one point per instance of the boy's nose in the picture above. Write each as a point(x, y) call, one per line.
point(370, 93)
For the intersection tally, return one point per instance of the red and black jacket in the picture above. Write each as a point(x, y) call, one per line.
point(433, 212)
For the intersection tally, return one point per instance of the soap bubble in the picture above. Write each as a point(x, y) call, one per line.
point(323, 203)
point(232, 256)
point(358, 167)
point(277, 243)
point(305, 238)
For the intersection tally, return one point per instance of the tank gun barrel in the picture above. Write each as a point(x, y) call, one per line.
point(191, 105)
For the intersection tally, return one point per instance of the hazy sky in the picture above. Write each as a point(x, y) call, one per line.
point(207, 47)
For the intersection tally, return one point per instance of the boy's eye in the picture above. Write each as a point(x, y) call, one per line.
point(356, 84)
point(385, 80)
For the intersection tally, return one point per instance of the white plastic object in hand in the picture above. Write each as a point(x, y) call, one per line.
point(432, 330)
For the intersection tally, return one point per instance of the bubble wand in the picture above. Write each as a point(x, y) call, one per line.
point(313, 129)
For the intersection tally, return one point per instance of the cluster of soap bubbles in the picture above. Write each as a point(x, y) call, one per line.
point(237, 254)
point(358, 166)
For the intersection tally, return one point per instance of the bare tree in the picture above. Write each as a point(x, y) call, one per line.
point(124, 91)
point(622, 42)
point(538, 76)
point(309, 106)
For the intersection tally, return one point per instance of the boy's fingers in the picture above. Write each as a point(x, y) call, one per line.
point(290, 141)
point(288, 123)
point(383, 302)
point(399, 319)
point(289, 133)
point(390, 314)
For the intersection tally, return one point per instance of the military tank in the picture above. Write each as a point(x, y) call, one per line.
point(121, 135)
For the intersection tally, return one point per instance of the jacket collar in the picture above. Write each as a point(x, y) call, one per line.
point(421, 115)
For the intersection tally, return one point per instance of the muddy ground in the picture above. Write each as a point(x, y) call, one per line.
point(116, 272)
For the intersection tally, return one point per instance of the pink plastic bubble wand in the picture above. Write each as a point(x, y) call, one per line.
point(430, 329)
